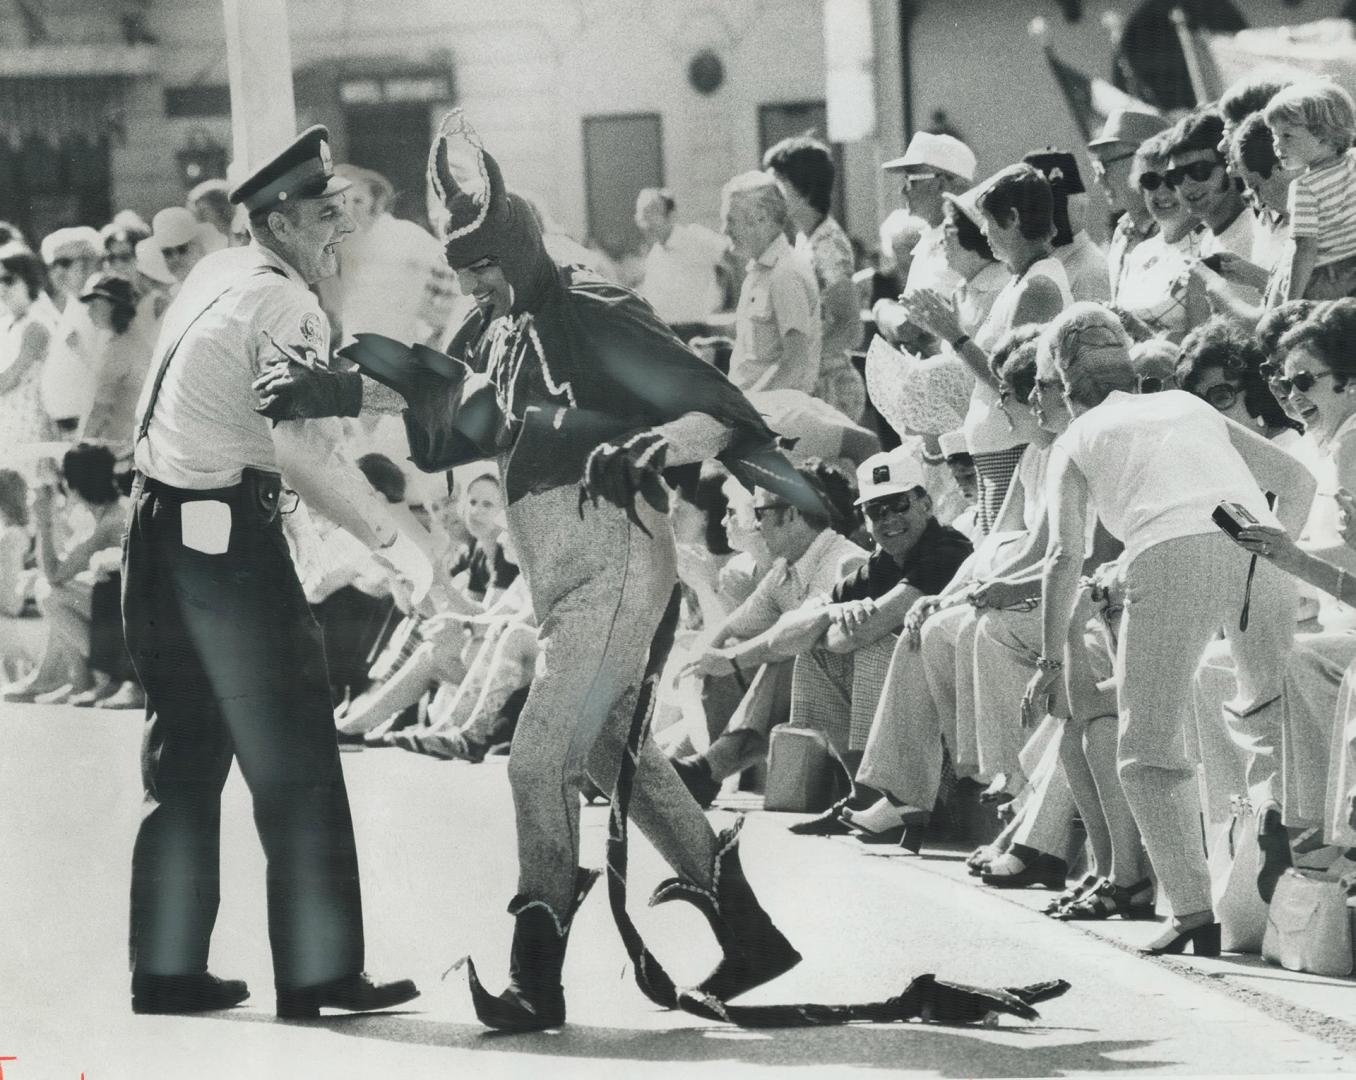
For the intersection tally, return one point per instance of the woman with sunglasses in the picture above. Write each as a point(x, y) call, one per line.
point(1153, 468)
point(1154, 283)
point(29, 320)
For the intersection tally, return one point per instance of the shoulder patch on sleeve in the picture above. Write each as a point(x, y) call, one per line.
point(310, 329)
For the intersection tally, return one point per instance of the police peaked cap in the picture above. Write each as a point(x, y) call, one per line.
point(304, 170)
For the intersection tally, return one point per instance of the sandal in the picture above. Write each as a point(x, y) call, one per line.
point(1128, 901)
point(979, 859)
point(1072, 894)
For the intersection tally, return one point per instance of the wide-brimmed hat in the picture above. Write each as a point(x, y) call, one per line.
point(944, 152)
point(1128, 128)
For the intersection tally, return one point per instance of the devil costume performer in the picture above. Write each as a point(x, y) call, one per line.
point(585, 397)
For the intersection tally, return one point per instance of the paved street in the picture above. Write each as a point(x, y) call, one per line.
point(436, 841)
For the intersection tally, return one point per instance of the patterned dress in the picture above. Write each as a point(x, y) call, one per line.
point(839, 383)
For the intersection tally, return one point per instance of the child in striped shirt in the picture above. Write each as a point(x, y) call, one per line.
point(1313, 125)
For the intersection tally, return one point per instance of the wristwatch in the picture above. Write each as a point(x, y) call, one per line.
point(1046, 663)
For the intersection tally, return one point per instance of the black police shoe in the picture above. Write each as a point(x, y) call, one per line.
point(185, 993)
point(356, 993)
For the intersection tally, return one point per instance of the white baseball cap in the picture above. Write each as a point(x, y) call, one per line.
point(890, 473)
point(943, 152)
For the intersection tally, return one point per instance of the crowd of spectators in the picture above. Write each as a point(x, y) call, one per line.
point(1019, 594)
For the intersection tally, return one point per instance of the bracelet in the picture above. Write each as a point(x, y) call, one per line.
point(1046, 664)
point(959, 343)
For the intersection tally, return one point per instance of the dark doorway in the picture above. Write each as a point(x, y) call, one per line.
point(622, 154)
point(782, 121)
point(393, 139)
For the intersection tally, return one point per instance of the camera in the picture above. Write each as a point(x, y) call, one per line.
point(1233, 518)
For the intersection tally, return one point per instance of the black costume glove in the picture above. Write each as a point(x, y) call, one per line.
point(297, 392)
point(619, 470)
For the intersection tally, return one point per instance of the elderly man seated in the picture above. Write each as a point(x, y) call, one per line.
point(841, 638)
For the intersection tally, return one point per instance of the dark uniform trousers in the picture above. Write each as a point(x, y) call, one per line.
point(234, 665)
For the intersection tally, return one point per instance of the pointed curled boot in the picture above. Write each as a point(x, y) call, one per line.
point(755, 951)
point(535, 998)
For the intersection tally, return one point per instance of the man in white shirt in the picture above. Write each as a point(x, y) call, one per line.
point(931, 166)
point(680, 267)
point(777, 327)
point(71, 256)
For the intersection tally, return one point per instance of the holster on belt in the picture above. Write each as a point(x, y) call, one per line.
point(259, 494)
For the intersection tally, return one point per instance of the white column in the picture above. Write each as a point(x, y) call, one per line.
point(259, 64)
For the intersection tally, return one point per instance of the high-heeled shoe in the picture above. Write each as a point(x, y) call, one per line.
point(1072, 894)
point(1107, 899)
point(912, 840)
point(1204, 941)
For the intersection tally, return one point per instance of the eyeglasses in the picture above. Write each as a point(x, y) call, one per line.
point(908, 179)
point(1150, 181)
point(1153, 384)
point(1199, 171)
point(122, 257)
point(1221, 396)
point(63, 263)
point(176, 252)
point(1303, 381)
point(760, 512)
point(879, 508)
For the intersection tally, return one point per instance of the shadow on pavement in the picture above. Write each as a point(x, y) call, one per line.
point(949, 1052)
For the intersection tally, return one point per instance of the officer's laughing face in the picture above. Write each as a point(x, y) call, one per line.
point(312, 234)
point(484, 281)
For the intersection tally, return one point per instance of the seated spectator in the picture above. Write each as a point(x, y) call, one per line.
point(1154, 467)
point(697, 511)
point(811, 554)
point(777, 327)
point(70, 571)
point(31, 323)
point(20, 637)
point(805, 172)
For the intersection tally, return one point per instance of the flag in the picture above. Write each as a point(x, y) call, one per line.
point(1324, 47)
point(1090, 99)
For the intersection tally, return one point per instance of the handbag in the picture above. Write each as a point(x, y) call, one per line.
point(1308, 926)
point(1234, 862)
point(802, 773)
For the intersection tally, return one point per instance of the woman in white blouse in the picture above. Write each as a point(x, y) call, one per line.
point(1153, 468)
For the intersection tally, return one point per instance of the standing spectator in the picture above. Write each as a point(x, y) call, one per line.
point(805, 172)
point(1196, 167)
point(1014, 207)
point(183, 240)
point(932, 166)
point(210, 203)
point(1155, 286)
point(128, 331)
point(71, 255)
point(1313, 125)
point(1083, 260)
point(20, 645)
point(777, 333)
point(1113, 155)
point(30, 325)
point(386, 265)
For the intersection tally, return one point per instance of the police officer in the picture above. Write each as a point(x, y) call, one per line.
point(218, 627)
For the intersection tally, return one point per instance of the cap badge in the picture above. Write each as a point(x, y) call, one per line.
point(325, 159)
point(880, 474)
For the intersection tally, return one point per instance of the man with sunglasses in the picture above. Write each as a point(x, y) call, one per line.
point(932, 166)
point(1196, 169)
point(183, 240)
point(1113, 154)
point(841, 640)
point(71, 256)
